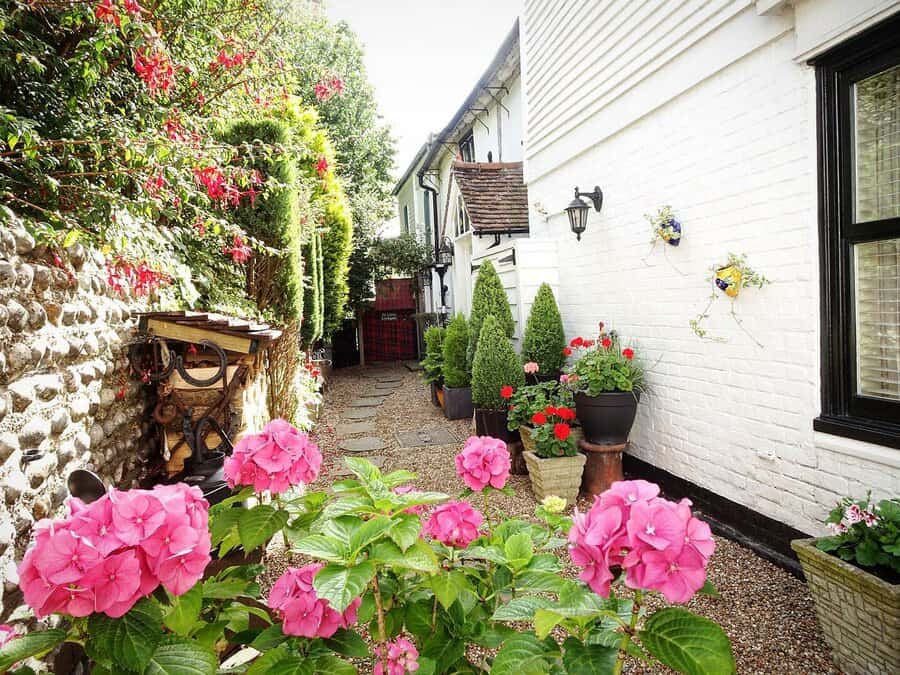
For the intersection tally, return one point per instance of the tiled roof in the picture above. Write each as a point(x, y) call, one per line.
point(495, 195)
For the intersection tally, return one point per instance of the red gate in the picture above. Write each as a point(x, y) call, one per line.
point(389, 329)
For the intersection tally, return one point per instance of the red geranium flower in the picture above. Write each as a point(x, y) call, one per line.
point(506, 392)
point(577, 342)
point(589, 343)
point(607, 343)
point(628, 353)
point(562, 431)
point(566, 413)
point(538, 419)
point(567, 352)
point(550, 410)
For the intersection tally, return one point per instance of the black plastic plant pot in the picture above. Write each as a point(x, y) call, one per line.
point(458, 403)
point(608, 417)
point(539, 378)
point(493, 423)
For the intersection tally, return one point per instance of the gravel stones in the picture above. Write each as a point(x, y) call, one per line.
point(365, 444)
point(360, 413)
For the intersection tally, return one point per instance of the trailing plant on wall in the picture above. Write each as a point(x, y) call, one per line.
point(544, 338)
point(495, 367)
point(456, 344)
point(728, 279)
point(488, 297)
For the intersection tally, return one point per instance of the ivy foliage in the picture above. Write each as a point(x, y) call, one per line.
point(495, 366)
point(488, 297)
point(456, 344)
point(544, 338)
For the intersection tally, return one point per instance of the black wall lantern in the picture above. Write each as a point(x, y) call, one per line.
point(578, 209)
point(441, 265)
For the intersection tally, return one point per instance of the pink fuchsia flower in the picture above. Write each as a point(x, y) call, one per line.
point(531, 367)
point(483, 461)
point(322, 166)
point(304, 613)
point(275, 459)
point(239, 251)
point(155, 70)
point(106, 12)
point(454, 524)
point(853, 514)
point(402, 658)
point(133, 8)
point(564, 379)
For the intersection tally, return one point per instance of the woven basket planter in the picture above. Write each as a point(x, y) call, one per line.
point(859, 613)
point(558, 476)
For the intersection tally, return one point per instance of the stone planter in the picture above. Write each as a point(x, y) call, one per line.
point(458, 403)
point(858, 612)
point(560, 476)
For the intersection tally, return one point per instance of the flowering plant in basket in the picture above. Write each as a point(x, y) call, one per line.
point(604, 365)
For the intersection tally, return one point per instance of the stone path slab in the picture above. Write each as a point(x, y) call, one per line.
point(387, 380)
point(366, 444)
point(425, 437)
point(368, 402)
point(386, 386)
point(360, 413)
point(355, 428)
point(342, 471)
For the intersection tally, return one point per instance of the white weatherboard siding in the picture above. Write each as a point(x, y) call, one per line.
point(701, 105)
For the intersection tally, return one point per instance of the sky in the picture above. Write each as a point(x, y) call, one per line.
point(424, 57)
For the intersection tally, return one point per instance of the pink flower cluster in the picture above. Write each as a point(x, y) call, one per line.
point(155, 70)
point(275, 459)
point(140, 278)
point(304, 613)
point(239, 251)
point(660, 544)
point(325, 89)
point(108, 554)
point(402, 658)
point(454, 524)
point(483, 461)
point(227, 61)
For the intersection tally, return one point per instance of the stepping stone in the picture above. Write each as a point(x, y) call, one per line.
point(381, 381)
point(414, 366)
point(341, 471)
point(367, 402)
point(425, 437)
point(360, 413)
point(355, 428)
point(366, 444)
point(386, 386)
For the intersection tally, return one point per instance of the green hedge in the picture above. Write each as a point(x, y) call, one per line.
point(544, 338)
point(311, 330)
point(495, 366)
point(456, 344)
point(488, 297)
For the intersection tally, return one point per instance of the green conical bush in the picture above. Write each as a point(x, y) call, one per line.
point(495, 366)
point(545, 337)
point(456, 344)
point(433, 363)
point(488, 297)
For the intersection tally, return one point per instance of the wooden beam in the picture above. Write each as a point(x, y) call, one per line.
point(175, 331)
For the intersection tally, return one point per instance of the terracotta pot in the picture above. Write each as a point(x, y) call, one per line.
point(440, 396)
point(493, 423)
point(434, 394)
point(458, 403)
point(602, 468)
point(559, 476)
point(608, 417)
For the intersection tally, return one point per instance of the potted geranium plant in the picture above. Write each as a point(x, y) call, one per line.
point(544, 338)
point(496, 374)
point(607, 380)
point(433, 363)
point(539, 398)
point(457, 379)
point(554, 465)
point(858, 567)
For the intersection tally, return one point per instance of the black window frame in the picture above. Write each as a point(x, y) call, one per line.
point(467, 147)
point(844, 412)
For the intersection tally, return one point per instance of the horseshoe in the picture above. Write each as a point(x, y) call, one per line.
point(220, 372)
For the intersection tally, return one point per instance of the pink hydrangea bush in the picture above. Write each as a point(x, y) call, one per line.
point(402, 658)
point(483, 461)
point(277, 458)
point(304, 613)
point(660, 544)
point(454, 524)
point(107, 555)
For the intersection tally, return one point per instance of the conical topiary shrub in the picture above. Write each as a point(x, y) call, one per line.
point(545, 337)
point(456, 344)
point(496, 366)
point(488, 297)
point(433, 363)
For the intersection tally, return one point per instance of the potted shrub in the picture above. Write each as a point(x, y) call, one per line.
point(854, 578)
point(457, 379)
point(496, 374)
point(554, 465)
point(488, 298)
point(544, 339)
point(433, 363)
point(607, 381)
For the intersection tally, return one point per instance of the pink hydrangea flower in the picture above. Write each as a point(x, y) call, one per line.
point(454, 524)
point(275, 459)
point(304, 613)
point(483, 461)
point(417, 510)
point(402, 658)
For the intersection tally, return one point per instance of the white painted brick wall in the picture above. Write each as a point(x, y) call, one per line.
point(735, 156)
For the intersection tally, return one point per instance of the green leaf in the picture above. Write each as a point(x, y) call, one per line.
point(130, 640)
point(522, 654)
point(545, 620)
point(363, 468)
point(259, 524)
point(406, 530)
point(184, 610)
point(339, 585)
point(348, 643)
point(371, 530)
point(269, 638)
point(541, 581)
point(419, 557)
point(71, 238)
point(31, 644)
point(522, 608)
point(688, 643)
point(222, 523)
point(182, 657)
point(709, 589)
point(443, 650)
point(581, 659)
point(293, 665)
point(227, 589)
point(322, 547)
point(263, 664)
point(332, 665)
point(447, 587)
point(519, 550)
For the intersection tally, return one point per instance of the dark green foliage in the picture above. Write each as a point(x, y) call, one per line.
point(336, 248)
point(433, 364)
point(495, 366)
point(274, 281)
point(311, 330)
point(456, 344)
point(545, 337)
point(488, 297)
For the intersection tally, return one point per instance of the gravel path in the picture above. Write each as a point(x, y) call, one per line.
point(767, 613)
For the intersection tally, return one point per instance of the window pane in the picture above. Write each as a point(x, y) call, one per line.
point(877, 165)
point(878, 318)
